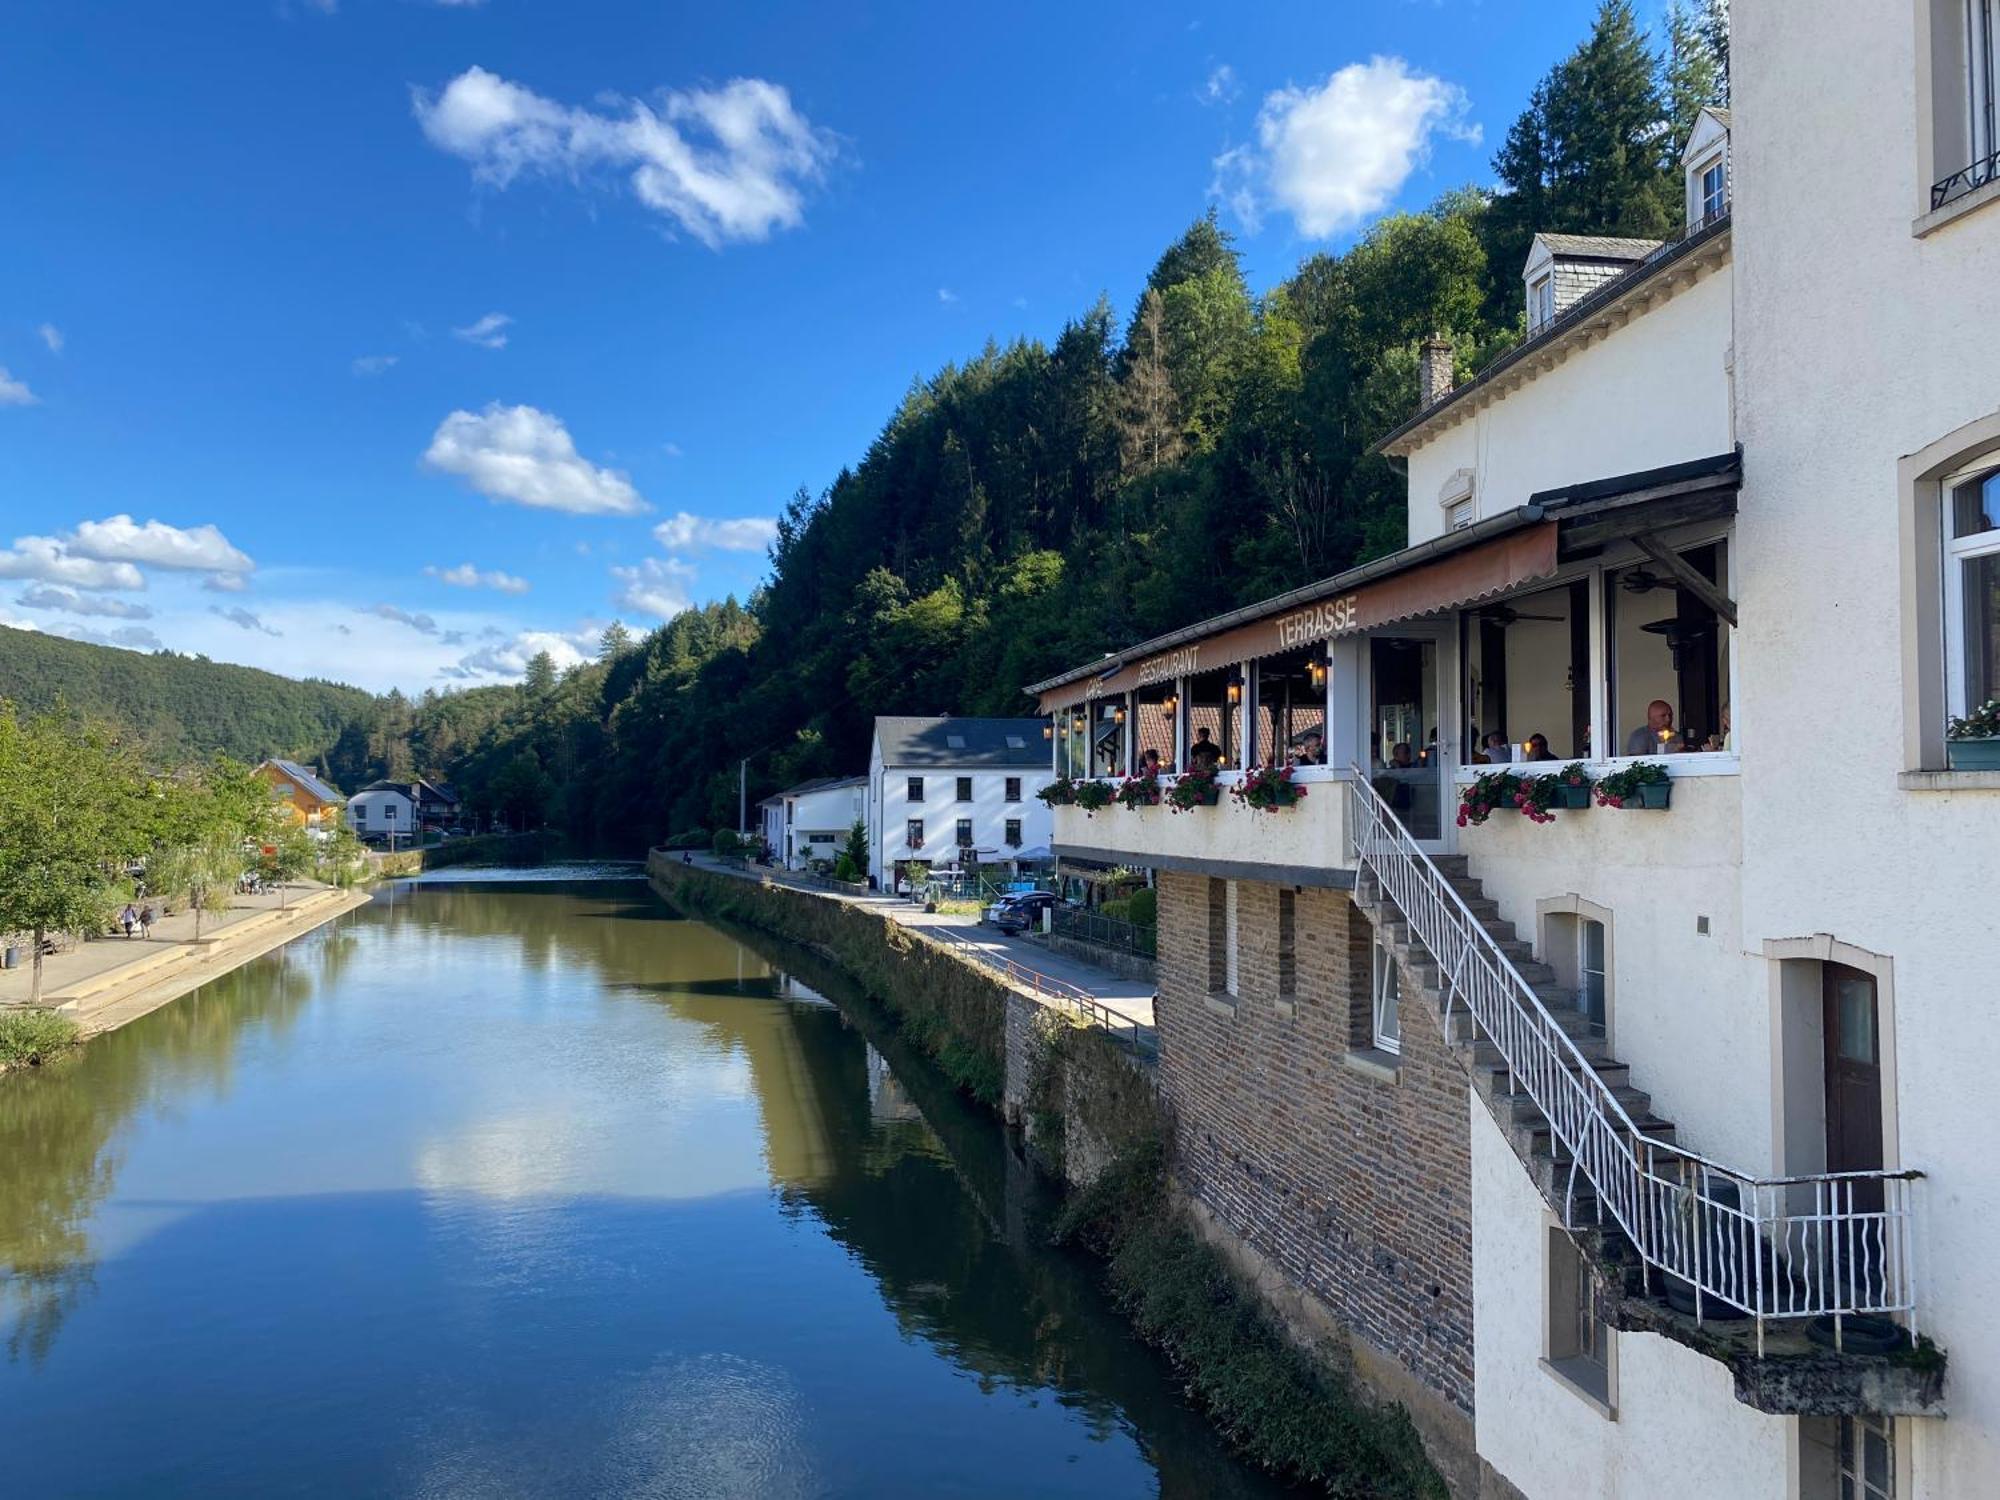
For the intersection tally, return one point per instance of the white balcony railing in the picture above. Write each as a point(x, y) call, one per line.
point(1832, 1244)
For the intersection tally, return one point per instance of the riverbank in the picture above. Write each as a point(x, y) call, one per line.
point(1088, 1111)
point(105, 983)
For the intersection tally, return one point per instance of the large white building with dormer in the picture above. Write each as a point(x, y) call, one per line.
point(1637, 1149)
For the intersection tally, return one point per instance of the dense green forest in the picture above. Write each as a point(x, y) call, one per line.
point(1041, 503)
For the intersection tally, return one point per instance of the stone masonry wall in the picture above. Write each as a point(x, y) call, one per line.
point(1354, 1184)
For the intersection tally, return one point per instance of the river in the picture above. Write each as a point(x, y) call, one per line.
point(526, 1187)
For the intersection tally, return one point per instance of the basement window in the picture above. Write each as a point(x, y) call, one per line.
point(1579, 1341)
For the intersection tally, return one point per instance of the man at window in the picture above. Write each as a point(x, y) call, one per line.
point(1656, 736)
point(1204, 754)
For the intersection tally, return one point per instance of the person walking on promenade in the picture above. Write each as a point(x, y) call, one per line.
point(128, 919)
point(146, 920)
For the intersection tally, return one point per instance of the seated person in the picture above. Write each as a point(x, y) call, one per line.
point(1401, 758)
point(1204, 754)
point(1311, 752)
point(1656, 736)
point(1720, 739)
point(1498, 751)
point(1149, 762)
point(1538, 748)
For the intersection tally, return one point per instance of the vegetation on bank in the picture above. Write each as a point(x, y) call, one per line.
point(1278, 1405)
point(31, 1037)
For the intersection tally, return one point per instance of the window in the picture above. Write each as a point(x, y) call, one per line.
point(819, 838)
point(916, 789)
point(1579, 1341)
point(913, 833)
point(1072, 742)
point(1714, 191)
point(1980, 73)
point(1576, 943)
point(1667, 659)
point(1866, 1455)
point(1590, 989)
point(1386, 1032)
point(965, 788)
point(1965, 128)
point(1232, 948)
point(1972, 590)
point(1527, 673)
point(1541, 302)
point(1289, 725)
point(1214, 715)
point(389, 812)
point(790, 808)
point(1013, 833)
point(964, 835)
point(1107, 746)
point(1222, 937)
point(1158, 711)
point(1013, 789)
point(1458, 514)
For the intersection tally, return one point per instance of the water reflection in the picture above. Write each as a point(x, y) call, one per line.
point(538, 1190)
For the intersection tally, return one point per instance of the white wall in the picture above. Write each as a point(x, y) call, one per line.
point(367, 815)
point(890, 809)
point(1679, 1431)
point(1858, 343)
point(1654, 392)
point(1311, 833)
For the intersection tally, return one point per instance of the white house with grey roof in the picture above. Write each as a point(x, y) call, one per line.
point(811, 821)
point(952, 791)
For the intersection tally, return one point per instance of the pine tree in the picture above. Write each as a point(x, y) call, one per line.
point(1150, 430)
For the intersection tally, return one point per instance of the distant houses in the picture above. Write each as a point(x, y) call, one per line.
point(390, 811)
point(954, 792)
point(810, 822)
point(312, 802)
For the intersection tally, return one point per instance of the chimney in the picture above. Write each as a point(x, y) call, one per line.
point(1434, 371)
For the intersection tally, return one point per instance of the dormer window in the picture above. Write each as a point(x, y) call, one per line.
point(1541, 303)
point(1456, 498)
point(1458, 515)
point(1714, 191)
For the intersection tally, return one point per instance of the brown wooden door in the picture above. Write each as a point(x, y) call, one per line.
point(1853, 1078)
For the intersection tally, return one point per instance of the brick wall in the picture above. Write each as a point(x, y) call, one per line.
point(1355, 1187)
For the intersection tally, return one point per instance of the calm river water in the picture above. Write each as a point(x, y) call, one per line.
point(528, 1188)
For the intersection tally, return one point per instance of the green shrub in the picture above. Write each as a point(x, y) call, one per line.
point(725, 841)
point(843, 868)
point(693, 838)
point(1143, 910)
point(33, 1036)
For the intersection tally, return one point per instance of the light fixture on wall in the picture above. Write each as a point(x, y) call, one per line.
point(1316, 672)
point(1048, 731)
point(1170, 703)
point(1118, 714)
point(1234, 692)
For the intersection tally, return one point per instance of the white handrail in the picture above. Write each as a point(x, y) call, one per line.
point(1831, 1243)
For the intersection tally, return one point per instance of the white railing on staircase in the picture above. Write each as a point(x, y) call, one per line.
point(1832, 1244)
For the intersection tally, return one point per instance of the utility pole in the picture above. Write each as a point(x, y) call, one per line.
point(743, 797)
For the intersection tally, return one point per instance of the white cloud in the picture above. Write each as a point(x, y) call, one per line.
point(52, 336)
point(130, 637)
point(69, 601)
point(521, 454)
point(466, 576)
point(373, 364)
point(509, 657)
point(1221, 87)
point(421, 623)
point(657, 586)
point(15, 392)
point(199, 549)
point(224, 583)
point(45, 558)
point(947, 296)
point(490, 332)
point(1332, 156)
point(243, 617)
point(728, 163)
point(682, 532)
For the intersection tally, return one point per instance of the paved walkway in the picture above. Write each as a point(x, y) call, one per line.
point(104, 982)
point(1129, 999)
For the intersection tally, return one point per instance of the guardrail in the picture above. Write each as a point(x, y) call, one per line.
point(1106, 932)
point(1832, 1244)
point(1073, 998)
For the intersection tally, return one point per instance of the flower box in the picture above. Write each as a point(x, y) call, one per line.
point(1194, 789)
point(1973, 755)
point(1572, 798)
point(1643, 784)
point(1268, 788)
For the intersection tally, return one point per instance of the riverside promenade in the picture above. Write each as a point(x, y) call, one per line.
point(105, 982)
point(1018, 959)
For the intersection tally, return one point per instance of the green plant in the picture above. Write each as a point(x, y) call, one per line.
point(1093, 796)
point(1143, 909)
point(1139, 791)
point(1058, 793)
point(725, 842)
point(693, 838)
point(33, 1036)
point(1192, 789)
point(844, 869)
point(1983, 723)
point(1617, 787)
point(1268, 788)
point(1575, 774)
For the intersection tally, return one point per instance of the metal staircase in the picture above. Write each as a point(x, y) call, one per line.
point(1832, 1245)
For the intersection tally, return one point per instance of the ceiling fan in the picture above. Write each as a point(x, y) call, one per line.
point(1641, 581)
point(1504, 615)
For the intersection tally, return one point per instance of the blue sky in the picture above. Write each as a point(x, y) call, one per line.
point(390, 340)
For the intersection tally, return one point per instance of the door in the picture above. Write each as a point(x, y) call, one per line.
point(1407, 760)
point(1853, 1078)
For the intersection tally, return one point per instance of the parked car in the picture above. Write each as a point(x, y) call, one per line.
point(1019, 912)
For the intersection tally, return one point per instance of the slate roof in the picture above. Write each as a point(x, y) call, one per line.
point(1599, 246)
point(823, 784)
point(309, 781)
point(949, 741)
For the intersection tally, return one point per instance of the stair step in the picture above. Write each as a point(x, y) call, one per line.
point(1487, 1057)
point(1651, 1126)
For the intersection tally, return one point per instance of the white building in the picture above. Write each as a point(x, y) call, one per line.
point(954, 791)
point(813, 819)
point(1736, 506)
point(385, 811)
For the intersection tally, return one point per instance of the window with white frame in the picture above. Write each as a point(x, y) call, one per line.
point(915, 789)
point(1576, 943)
point(1965, 109)
point(1980, 73)
point(913, 833)
point(1714, 191)
point(1541, 302)
point(1972, 587)
point(1013, 833)
point(963, 836)
point(1866, 1457)
point(1458, 514)
point(965, 788)
point(1013, 789)
point(1387, 1027)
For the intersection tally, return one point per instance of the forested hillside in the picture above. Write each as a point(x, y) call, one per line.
point(180, 705)
point(1039, 503)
